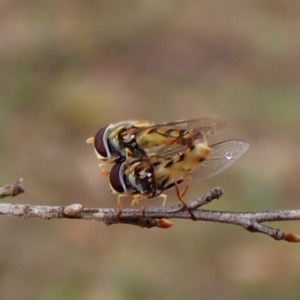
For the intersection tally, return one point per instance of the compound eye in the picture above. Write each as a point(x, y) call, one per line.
point(99, 142)
point(116, 178)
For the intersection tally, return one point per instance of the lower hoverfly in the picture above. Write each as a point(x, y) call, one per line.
point(148, 178)
point(117, 142)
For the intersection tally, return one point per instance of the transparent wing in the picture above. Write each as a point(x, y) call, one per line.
point(165, 152)
point(206, 125)
point(160, 154)
point(222, 155)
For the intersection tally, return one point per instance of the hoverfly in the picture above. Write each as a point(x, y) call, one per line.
point(117, 142)
point(148, 178)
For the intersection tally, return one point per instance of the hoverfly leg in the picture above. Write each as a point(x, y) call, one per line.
point(164, 199)
point(119, 206)
point(127, 154)
point(187, 179)
point(136, 200)
point(103, 171)
point(183, 202)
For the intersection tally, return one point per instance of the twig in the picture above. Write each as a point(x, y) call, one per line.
point(12, 190)
point(156, 216)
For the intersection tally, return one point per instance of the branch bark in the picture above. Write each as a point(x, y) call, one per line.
point(158, 216)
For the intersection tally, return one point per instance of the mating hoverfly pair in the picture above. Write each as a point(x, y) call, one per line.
point(150, 158)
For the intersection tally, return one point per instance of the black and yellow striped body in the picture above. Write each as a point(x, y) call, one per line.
point(166, 171)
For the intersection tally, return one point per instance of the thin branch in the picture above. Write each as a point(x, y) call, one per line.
point(12, 190)
point(157, 216)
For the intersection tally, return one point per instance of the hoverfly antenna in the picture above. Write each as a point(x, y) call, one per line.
point(100, 142)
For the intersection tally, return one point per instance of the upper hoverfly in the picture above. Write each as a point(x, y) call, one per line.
point(170, 167)
point(117, 142)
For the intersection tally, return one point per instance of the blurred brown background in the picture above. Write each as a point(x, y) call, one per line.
point(70, 67)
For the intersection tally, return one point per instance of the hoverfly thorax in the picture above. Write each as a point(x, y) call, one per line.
point(131, 146)
point(143, 178)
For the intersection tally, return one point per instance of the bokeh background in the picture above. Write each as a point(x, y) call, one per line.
point(71, 67)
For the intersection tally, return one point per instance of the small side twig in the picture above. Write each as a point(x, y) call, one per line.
point(12, 190)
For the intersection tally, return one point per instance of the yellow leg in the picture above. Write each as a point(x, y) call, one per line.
point(119, 201)
point(136, 200)
point(164, 199)
point(103, 171)
point(188, 180)
point(120, 204)
point(128, 153)
point(184, 203)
